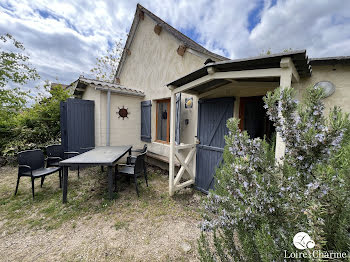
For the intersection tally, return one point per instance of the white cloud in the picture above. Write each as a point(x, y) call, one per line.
point(307, 25)
point(63, 38)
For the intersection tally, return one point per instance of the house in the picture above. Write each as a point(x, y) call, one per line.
point(58, 84)
point(176, 96)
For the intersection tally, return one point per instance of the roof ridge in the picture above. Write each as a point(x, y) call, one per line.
point(190, 43)
point(155, 17)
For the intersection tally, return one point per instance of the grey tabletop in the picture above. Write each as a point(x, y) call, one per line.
point(104, 155)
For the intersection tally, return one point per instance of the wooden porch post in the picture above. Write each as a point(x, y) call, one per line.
point(285, 82)
point(195, 140)
point(172, 142)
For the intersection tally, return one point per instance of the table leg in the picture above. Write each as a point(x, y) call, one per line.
point(110, 181)
point(115, 178)
point(65, 184)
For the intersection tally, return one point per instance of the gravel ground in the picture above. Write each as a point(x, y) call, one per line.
point(153, 227)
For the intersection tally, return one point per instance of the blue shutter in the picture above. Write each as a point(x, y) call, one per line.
point(178, 118)
point(146, 109)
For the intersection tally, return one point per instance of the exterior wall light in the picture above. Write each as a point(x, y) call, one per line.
point(328, 88)
point(188, 102)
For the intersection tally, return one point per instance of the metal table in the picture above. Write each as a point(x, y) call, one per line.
point(99, 156)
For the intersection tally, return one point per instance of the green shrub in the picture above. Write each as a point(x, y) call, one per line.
point(258, 205)
point(34, 127)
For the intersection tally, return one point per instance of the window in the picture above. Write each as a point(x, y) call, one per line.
point(163, 120)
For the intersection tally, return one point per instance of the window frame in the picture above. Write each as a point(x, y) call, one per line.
point(168, 121)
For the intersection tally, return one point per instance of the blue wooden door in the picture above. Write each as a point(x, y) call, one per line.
point(77, 124)
point(212, 117)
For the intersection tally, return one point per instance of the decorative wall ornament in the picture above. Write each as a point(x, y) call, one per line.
point(181, 50)
point(123, 112)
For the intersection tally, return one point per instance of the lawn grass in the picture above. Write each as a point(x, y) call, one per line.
point(86, 195)
point(137, 219)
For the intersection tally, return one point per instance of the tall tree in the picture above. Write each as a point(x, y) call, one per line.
point(15, 68)
point(14, 65)
point(106, 65)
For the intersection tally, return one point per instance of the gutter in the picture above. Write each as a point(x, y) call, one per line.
point(108, 108)
point(108, 116)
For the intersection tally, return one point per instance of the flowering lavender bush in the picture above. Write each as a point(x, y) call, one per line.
point(258, 205)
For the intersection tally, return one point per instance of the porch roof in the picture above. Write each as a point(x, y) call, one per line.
point(299, 58)
point(343, 60)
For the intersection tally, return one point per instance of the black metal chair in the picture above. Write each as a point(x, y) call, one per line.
point(31, 163)
point(134, 170)
point(55, 154)
point(131, 159)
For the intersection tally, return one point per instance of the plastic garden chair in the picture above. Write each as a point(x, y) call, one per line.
point(31, 163)
point(55, 154)
point(139, 168)
point(131, 159)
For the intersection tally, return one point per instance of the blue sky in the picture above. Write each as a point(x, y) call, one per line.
point(63, 38)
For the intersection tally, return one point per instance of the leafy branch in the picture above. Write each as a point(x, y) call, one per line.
point(106, 66)
point(14, 66)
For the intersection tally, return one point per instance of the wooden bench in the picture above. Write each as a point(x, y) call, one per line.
point(161, 158)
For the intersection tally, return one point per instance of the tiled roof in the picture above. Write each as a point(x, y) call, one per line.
point(102, 85)
point(345, 60)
